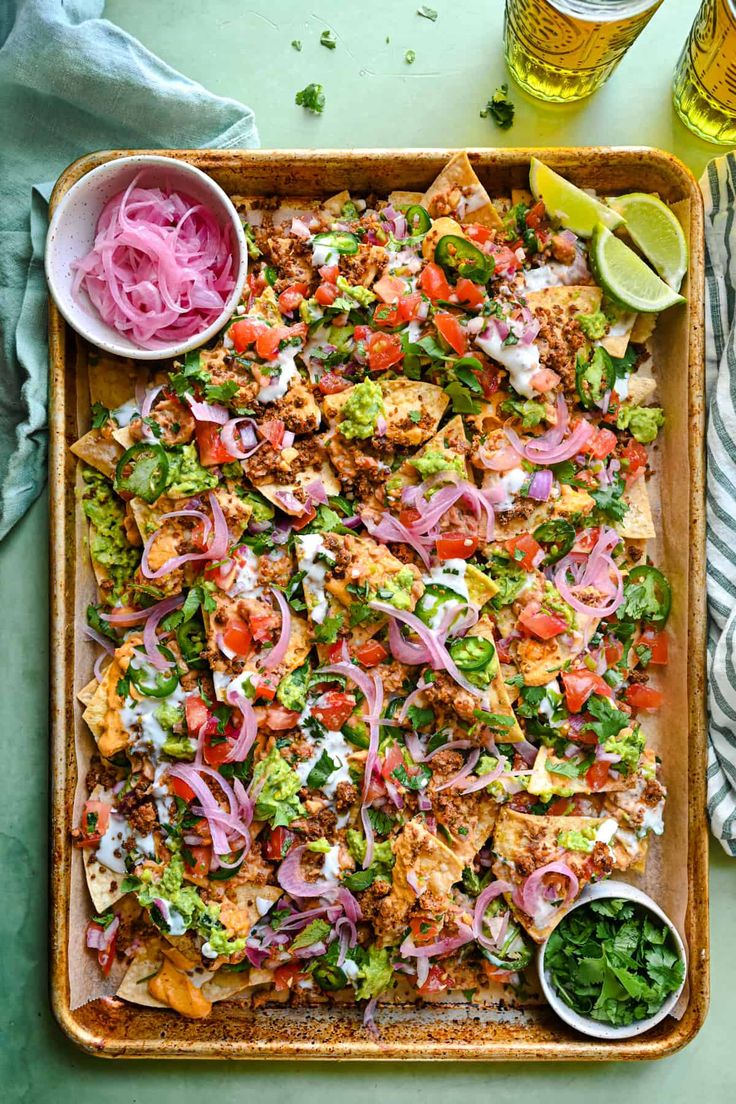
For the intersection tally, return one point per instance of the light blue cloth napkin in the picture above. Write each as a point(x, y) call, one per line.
point(719, 192)
point(70, 83)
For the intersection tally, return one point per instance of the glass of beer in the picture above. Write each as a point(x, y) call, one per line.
point(562, 50)
point(705, 78)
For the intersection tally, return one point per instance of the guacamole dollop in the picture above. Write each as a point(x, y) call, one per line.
point(629, 744)
point(643, 422)
point(593, 325)
point(277, 802)
point(362, 295)
point(186, 474)
point(396, 589)
point(108, 545)
point(433, 462)
point(573, 840)
point(361, 410)
point(292, 690)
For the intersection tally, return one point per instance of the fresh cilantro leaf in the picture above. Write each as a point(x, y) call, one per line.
point(568, 768)
point(360, 879)
point(316, 932)
point(321, 771)
point(95, 621)
point(221, 392)
point(410, 57)
point(500, 108)
point(462, 398)
point(531, 411)
point(327, 632)
point(100, 415)
point(494, 720)
point(382, 823)
point(191, 374)
point(420, 717)
point(415, 416)
point(328, 39)
point(608, 499)
point(296, 44)
point(312, 98)
point(418, 781)
point(609, 720)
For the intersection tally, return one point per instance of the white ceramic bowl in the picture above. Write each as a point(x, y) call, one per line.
point(596, 1028)
point(72, 232)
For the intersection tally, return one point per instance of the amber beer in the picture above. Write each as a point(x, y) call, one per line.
point(705, 78)
point(562, 50)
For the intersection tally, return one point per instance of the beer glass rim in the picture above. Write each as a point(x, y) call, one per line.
point(600, 12)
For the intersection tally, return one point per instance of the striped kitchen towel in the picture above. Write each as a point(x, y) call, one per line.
point(719, 191)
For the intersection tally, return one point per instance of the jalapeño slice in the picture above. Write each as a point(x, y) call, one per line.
point(459, 257)
point(514, 954)
point(342, 241)
point(472, 652)
point(152, 683)
point(192, 642)
point(329, 978)
point(594, 377)
point(434, 597)
point(224, 872)
point(142, 471)
point(418, 219)
point(556, 538)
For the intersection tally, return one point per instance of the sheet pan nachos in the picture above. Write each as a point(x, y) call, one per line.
point(380, 630)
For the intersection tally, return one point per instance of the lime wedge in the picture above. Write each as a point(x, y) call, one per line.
point(653, 227)
point(568, 205)
point(625, 277)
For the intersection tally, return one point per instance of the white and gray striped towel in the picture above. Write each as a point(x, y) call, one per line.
point(719, 191)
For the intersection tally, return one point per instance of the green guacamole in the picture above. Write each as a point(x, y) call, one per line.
point(643, 422)
point(361, 411)
point(433, 462)
point(108, 544)
point(186, 475)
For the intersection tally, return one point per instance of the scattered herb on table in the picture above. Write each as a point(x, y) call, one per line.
point(296, 44)
point(614, 961)
point(427, 13)
point(410, 57)
point(312, 98)
point(328, 39)
point(500, 108)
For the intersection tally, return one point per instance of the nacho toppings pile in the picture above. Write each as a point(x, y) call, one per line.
point(381, 635)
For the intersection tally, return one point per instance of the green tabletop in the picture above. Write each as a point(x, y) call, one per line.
point(373, 99)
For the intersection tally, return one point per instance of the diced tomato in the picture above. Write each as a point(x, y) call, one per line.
point(597, 775)
point(209, 445)
point(658, 643)
point(196, 713)
point(391, 760)
point(455, 546)
point(256, 284)
point(244, 333)
point(580, 684)
point(535, 215)
point(370, 653)
point(424, 929)
point(237, 637)
point(280, 719)
point(362, 333)
point(437, 981)
point(601, 443)
point(449, 327)
point(221, 574)
point(291, 297)
point(200, 867)
point(478, 233)
point(384, 350)
point(505, 259)
point(544, 380)
point(393, 314)
point(333, 709)
point(434, 282)
point(635, 456)
point(561, 807)
point(304, 519)
point(268, 341)
point(495, 973)
point(329, 273)
point(326, 294)
point(643, 697)
point(409, 515)
point(181, 789)
point(272, 431)
point(489, 380)
point(263, 623)
point(332, 384)
point(537, 622)
point(105, 956)
point(614, 651)
point(95, 821)
point(265, 690)
point(390, 289)
point(586, 540)
point(468, 293)
point(216, 747)
point(287, 976)
point(278, 843)
point(523, 550)
point(338, 652)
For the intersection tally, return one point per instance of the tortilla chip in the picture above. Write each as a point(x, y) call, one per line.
point(148, 962)
point(643, 328)
point(99, 451)
point(498, 698)
point(450, 441)
point(544, 780)
point(400, 396)
point(225, 984)
point(641, 388)
point(583, 298)
point(637, 523)
point(456, 189)
point(87, 692)
point(102, 714)
point(616, 343)
point(103, 884)
point(400, 200)
point(521, 195)
point(524, 842)
point(481, 588)
point(266, 307)
point(540, 660)
point(113, 380)
point(272, 490)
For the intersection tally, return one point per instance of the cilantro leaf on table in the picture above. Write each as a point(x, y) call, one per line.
point(328, 39)
point(312, 98)
point(500, 108)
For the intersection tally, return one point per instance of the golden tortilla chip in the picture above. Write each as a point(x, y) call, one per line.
point(102, 882)
point(643, 328)
point(641, 389)
point(450, 442)
point(522, 195)
point(543, 779)
point(99, 451)
point(498, 698)
point(539, 661)
point(276, 492)
point(583, 298)
point(458, 191)
point(401, 200)
point(637, 523)
point(525, 842)
point(102, 714)
point(148, 964)
point(87, 692)
point(113, 380)
point(400, 397)
point(481, 588)
point(616, 341)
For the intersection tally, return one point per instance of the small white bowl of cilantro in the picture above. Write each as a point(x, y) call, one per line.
point(615, 965)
